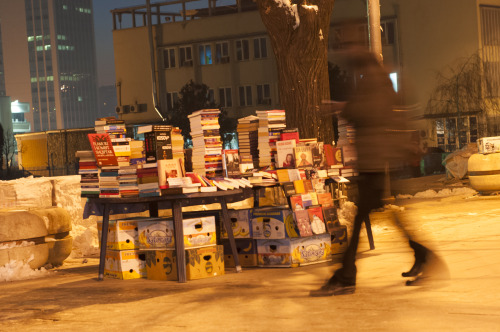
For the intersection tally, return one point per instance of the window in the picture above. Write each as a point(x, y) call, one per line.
point(263, 94)
point(205, 54)
point(186, 56)
point(172, 98)
point(259, 48)
point(387, 32)
point(242, 51)
point(222, 52)
point(225, 99)
point(169, 58)
point(210, 96)
point(245, 95)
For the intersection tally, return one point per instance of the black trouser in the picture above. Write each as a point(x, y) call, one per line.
point(371, 189)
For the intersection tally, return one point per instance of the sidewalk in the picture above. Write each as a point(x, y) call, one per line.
point(465, 231)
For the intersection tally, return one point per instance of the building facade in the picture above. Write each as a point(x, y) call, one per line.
point(49, 60)
point(228, 49)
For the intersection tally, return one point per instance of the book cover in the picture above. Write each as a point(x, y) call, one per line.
point(285, 153)
point(308, 187)
point(333, 155)
point(288, 189)
point(294, 174)
point(318, 158)
point(316, 219)
point(158, 145)
point(282, 175)
point(306, 200)
point(325, 199)
point(289, 134)
point(231, 163)
point(168, 168)
point(296, 202)
point(299, 186)
point(303, 224)
point(103, 149)
point(303, 156)
point(331, 217)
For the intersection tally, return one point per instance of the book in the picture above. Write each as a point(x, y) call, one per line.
point(290, 134)
point(306, 200)
point(283, 175)
point(325, 199)
point(333, 155)
point(318, 155)
point(285, 154)
point(168, 168)
point(158, 144)
point(231, 163)
point(330, 217)
point(288, 189)
point(103, 149)
point(316, 219)
point(299, 186)
point(308, 187)
point(303, 224)
point(296, 203)
point(294, 174)
point(303, 156)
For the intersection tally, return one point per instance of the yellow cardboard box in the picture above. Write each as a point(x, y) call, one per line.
point(339, 239)
point(294, 252)
point(125, 264)
point(240, 223)
point(199, 232)
point(201, 263)
point(247, 252)
point(156, 234)
point(122, 234)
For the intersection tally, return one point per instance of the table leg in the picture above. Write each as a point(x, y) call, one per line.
point(179, 241)
point(230, 235)
point(104, 241)
point(153, 209)
point(368, 227)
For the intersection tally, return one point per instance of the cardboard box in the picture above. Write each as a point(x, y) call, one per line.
point(273, 224)
point(241, 224)
point(339, 239)
point(488, 144)
point(199, 232)
point(201, 263)
point(247, 252)
point(294, 252)
point(125, 264)
point(156, 233)
point(123, 234)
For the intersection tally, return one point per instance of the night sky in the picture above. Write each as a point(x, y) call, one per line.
point(104, 37)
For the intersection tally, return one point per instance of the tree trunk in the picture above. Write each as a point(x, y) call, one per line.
point(300, 48)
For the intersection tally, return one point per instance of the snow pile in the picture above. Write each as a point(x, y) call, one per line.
point(9, 245)
point(394, 207)
point(26, 192)
point(85, 241)
point(292, 10)
point(347, 214)
point(67, 194)
point(446, 192)
point(17, 270)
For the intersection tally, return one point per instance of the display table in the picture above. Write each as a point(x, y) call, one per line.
point(175, 202)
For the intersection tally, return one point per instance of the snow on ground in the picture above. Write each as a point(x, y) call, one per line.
point(17, 270)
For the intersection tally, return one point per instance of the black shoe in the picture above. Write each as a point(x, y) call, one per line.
point(335, 288)
point(421, 256)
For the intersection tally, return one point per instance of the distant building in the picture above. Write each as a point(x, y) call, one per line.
point(107, 100)
point(228, 49)
point(50, 62)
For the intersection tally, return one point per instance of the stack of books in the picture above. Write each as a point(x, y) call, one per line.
point(157, 142)
point(116, 131)
point(271, 123)
point(207, 142)
point(347, 135)
point(89, 172)
point(248, 142)
point(178, 146)
point(147, 179)
point(127, 179)
point(121, 147)
point(109, 186)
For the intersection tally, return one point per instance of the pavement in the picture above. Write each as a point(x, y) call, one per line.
point(464, 230)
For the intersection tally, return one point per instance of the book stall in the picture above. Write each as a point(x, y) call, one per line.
point(297, 185)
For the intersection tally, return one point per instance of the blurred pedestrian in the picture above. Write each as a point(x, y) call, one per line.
point(380, 148)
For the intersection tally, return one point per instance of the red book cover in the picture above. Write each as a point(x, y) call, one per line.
point(316, 219)
point(325, 199)
point(296, 202)
point(333, 155)
point(103, 149)
point(285, 136)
